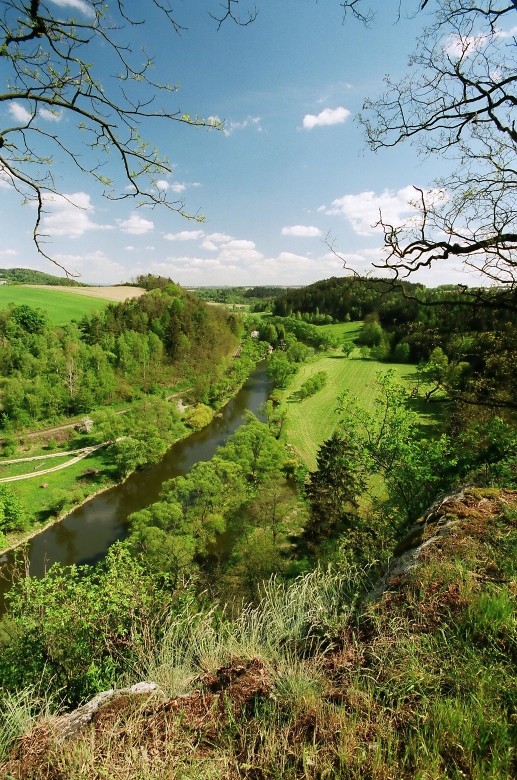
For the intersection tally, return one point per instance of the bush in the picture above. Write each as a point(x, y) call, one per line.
point(199, 416)
point(70, 632)
point(313, 384)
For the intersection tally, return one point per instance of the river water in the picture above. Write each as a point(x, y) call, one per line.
point(85, 535)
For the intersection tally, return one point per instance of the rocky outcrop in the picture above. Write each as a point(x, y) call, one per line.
point(445, 517)
point(71, 724)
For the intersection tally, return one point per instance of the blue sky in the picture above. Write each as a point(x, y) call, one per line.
point(290, 167)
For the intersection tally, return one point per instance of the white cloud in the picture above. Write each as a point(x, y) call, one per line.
point(290, 258)
point(504, 34)
point(230, 126)
point(329, 116)
point(94, 267)
point(363, 209)
point(457, 46)
point(184, 235)
point(214, 240)
point(19, 112)
point(219, 238)
point(176, 186)
point(22, 114)
point(209, 245)
point(239, 250)
point(49, 115)
point(6, 180)
point(8, 252)
point(135, 225)
point(78, 5)
point(304, 231)
point(69, 215)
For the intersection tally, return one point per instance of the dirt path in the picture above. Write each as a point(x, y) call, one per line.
point(82, 454)
point(44, 457)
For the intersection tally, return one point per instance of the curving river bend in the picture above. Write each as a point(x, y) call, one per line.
point(86, 533)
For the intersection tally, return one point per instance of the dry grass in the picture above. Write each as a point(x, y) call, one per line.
point(415, 684)
point(116, 294)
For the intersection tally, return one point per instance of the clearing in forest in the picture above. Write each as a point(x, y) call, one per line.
point(312, 421)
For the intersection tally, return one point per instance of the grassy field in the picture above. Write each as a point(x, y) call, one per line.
point(50, 495)
point(65, 304)
point(311, 422)
point(346, 331)
point(60, 307)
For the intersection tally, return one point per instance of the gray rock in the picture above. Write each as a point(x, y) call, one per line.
point(69, 725)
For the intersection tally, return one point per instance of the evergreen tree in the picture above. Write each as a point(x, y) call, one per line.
point(333, 489)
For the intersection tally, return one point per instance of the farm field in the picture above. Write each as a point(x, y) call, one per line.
point(311, 422)
point(62, 306)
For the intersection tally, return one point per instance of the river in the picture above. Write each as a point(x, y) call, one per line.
point(85, 534)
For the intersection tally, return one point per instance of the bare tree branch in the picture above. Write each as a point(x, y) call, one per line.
point(229, 13)
point(47, 57)
point(460, 102)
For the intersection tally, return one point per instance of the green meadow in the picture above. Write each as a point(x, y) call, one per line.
point(60, 307)
point(312, 421)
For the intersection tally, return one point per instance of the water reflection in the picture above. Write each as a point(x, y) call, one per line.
point(85, 535)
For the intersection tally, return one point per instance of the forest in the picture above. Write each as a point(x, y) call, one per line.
point(323, 587)
point(255, 521)
point(216, 537)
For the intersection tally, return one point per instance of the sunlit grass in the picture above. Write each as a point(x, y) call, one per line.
point(416, 683)
point(60, 307)
point(312, 421)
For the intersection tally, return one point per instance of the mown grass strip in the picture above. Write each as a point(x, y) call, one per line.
point(311, 422)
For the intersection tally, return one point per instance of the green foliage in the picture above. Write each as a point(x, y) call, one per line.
point(280, 368)
point(13, 517)
point(144, 434)
point(130, 453)
point(126, 350)
point(333, 489)
point(69, 631)
point(390, 443)
point(348, 348)
point(257, 452)
point(170, 533)
point(371, 333)
point(31, 276)
point(199, 416)
point(179, 531)
point(28, 319)
point(312, 385)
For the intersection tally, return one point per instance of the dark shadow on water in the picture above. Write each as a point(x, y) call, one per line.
point(87, 532)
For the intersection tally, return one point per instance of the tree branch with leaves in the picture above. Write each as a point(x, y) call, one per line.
point(53, 62)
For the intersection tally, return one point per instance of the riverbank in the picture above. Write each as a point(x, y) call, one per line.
point(104, 471)
point(18, 540)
